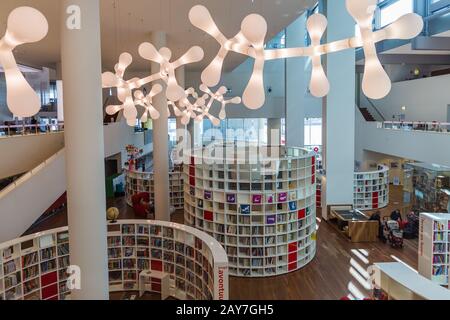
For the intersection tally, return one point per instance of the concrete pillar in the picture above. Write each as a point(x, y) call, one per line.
point(297, 79)
point(339, 110)
point(274, 132)
point(161, 143)
point(85, 171)
point(181, 128)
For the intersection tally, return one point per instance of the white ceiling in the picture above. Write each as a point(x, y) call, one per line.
point(127, 23)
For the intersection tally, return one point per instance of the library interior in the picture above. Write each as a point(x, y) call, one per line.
point(225, 150)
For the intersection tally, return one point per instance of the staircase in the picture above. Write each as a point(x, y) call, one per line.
point(367, 115)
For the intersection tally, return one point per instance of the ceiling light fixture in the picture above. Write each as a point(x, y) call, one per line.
point(25, 25)
point(249, 41)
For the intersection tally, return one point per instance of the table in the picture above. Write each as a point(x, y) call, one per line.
point(360, 228)
point(154, 281)
point(402, 283)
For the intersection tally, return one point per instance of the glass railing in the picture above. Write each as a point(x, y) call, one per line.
point(434, 126)
point(30, 129)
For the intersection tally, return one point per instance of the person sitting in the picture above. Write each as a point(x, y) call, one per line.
point(141, 204)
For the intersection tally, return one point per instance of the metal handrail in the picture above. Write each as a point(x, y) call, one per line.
point(428, 126)
point(30, 129)
point(376, 109)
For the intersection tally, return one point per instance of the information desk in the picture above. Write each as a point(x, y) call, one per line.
point(403, 283)
point(356, 225)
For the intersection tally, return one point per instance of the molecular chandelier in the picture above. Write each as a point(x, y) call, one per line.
point(250, 42)
point(21, 98)
point(187, 104)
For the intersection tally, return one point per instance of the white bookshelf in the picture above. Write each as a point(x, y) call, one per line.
point(434, 247)
point(371, 189)
point(263, 215)
point(196, 264)
point(138, 182)
point(33, 267)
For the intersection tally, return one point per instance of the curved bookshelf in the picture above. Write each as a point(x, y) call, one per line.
point(371, 189)
point(137, 182)
point(34, 267)
point(263, 215)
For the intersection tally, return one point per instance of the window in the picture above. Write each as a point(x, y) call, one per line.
point(392, 11)
point(436, 5)
point(313, 132)
point(249, 130)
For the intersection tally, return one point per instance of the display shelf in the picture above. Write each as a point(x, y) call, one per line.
point(319, 189)
point(30, 266)
point(34, 267)
point(371, 189)
point(264, 213)
point(434, 247)
point(197, 264)
point(431, 187)
point(138, 182)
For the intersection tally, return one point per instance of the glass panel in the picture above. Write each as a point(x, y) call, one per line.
point(394, 11)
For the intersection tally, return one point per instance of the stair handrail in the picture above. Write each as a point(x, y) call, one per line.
point(376, 109)
point(29, 174)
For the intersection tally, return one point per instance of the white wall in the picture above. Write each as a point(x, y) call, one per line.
point(22, 153)
point(118, 135)
point(34, 193)
point(426, 99)
point(429, 147)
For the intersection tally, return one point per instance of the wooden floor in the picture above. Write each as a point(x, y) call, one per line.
point(333, 274)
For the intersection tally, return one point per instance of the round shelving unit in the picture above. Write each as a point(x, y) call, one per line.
point(263, 213)
point(35, 267)
point(371, 189)
point(138, 182)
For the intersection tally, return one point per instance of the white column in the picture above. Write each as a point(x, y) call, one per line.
point(85, 171)
point(339, 110)
point(161, 143)
point(180, 74)
point(274, 132)
point(296, 85)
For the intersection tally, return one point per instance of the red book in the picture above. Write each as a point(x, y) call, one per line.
point(292, 266)
point(293, 247)
point(156, 265)
point(49, 291)
point(156, 287)
point(192, 171)
point(302, 214)
point(49, 279)
point(208, 215)
point(293, 257)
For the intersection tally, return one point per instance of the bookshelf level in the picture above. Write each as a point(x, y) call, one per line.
point(264, 213)
point(371, 189)
point(34, 267)
point(138, 182)
point(434, 247)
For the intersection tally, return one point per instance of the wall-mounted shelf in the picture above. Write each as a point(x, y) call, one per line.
point(263, 215)
point(371, 189)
